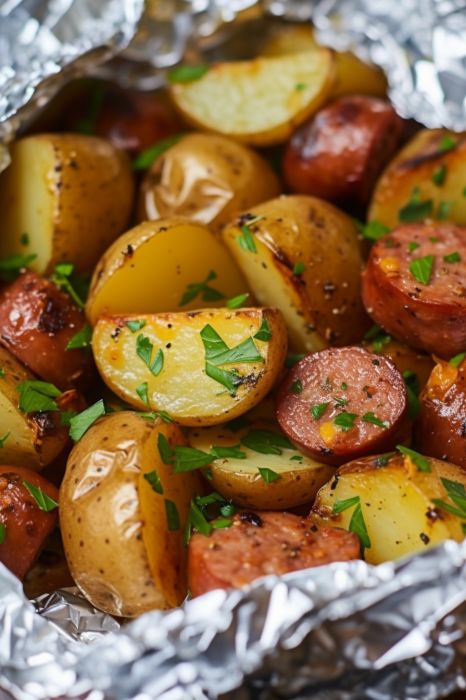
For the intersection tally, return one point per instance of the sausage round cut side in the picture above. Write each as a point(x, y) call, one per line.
point(37, 321)
point(25, 526)
point(343, 403)
point(441, 424)
point(414, 286)
point(257, 544)
point(340, 153)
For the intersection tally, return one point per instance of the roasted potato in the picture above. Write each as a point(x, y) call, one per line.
point(123, 537)
point(65, 197)
point(158, 265)
point(38, 322)
point(287, 479)
point(25, 524)
point(206, 178)
point(302, 255)
point(259, 102)
point(398, 504)
point(351, 76)
point(425, 180)
point(201, 367)
point(28, 439)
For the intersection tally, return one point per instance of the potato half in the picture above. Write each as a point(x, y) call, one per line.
point(351, 76)
point(431, 164)
point(206, 178)
point(302, 255)
point(152, 268)
point(32, 439)
point(70, 194)
point(259, 102)
point(396, 501)
point(122, 547)
point(295, 479)
point(201, 367)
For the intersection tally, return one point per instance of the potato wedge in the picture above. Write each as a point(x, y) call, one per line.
point(154, 266)
point(295, 479)
point(206, 178)
point(302, 255)
point(432, 165)
point(259, 102)
point(123, 544)
point(71, 194)
point(397, 500)
point(162, 361)
point(27, 439)
point(351, 77)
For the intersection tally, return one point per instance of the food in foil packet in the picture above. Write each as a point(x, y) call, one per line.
point(233, 346)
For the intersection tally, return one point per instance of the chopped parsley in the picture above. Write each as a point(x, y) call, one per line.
point(82, 339)
point(439, 175)
point(2, 533)
point(227, 452)
point(345, 420)
point(452, 257)
point(43, 501)
point(268, 475)
point(153, 479)
point(373, 230)
point(266, 442)
point(444, 209)
point(357, 524)
point(187, 74)
point(264, 333)
point(416, 209)
point(11, 266)
point(296, 387)
point(204, 514)
point(61, 277)
point(24, 239)
point(144, 349)
point(143, 392)
point(203, 289)
point(457, 359)
point(35, 396)
point(81, 422)
point(421, 462)
point(412, 245)
point(145, 159)
point(237, 302)
point(421, 269)
point(3, 439)
point(246, 238)
point(369, 417)
point(456, 493)
point(293, 358)
point(318, 410)
point(378, 338)
point(298, 268)
point(218, 353)
point(136, 324)
point(448, 143)
point(172, 515)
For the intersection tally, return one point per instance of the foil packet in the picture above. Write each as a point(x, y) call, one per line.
point(346, 631)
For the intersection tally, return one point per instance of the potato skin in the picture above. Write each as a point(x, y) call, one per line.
point(26, 525)
point(322, 304)
point(207, 178)
point(89, 189)
point(119, 549)
point(339, 154)
point(414, 166)
point(37, 321)
point(397, 504)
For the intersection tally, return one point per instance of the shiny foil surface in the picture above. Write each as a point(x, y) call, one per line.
point(346, 631)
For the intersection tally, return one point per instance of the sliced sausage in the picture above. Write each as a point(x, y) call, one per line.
point(441, 424)
point(414, 286)
point(37, 321)
point(25, 525)
point(407, 360)
point(342, 403)
point(259, 544)
point(340, 153)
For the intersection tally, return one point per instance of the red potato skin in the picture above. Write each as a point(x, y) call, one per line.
point(258, 544)
point(440, 429)
point(340, 153)
point(37, 321)
point(429, 317)
point(26, 525)
point(350, 380)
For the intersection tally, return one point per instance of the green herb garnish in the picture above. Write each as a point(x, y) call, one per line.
point(153, 479)
point(419, 460)
point(144, 349)
point(421, 268)
point(457, 359)
point(318, 410)
point(187, 74)
point(264, 333)
point(345, 420)
point(81, 422)
point(44, 502)
point(82, 339)
point(268, 475)
point(452, 257)
point(412, 245)
point(207, 293)
point(373, 230)
point(439, 175)
point(369, 417)
point(299, 268)
point(296, 387)
point(145, 159)
point(444, 209)
point(236, 302)
point(266, 442)
point(143, 392)
point(447, 143)
point(11, 266)
point(135, 324)
point(35, 396)
point(61, 277)
point(227, 452)
point(412, 389)
point(4, 438)
point(173, 518)
point(416, 209)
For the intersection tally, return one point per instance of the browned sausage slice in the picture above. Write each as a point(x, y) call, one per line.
point(414, 286)
point(441, 423)
point(340, 153)
point(257, 544)
point(37, 321)
point(24, 526)
point(342, 403)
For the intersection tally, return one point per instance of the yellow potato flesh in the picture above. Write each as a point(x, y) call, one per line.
point(71, 194)
point(183, 388)
point(414, 167)
point(117, 540)
point(395, 501)
point(166, 256)
point(240, 479)
point(260, 101)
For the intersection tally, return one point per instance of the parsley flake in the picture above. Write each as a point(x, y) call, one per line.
point(268, 475)
point(187, 74)
point(35, 396)
point(421, 462)
point(416, 209)
point(448, 143)
point(135, 324)
point(153, 479)
point(237, 302)
point(266, 442)
point(439, 175)
point(452, 257)
point(203, 289)
point(373, 230)
point(457, 359)
point(82, 339)
point(43, 501)
point(143, 392)
point(298, 268)
point(296, 387)
point(145, 159)
point(172, 515)
point(264, 333)
point(80, 423)
point(345, 420)
point(144, 349)
point(370, 417)
point(318, 410)
point(421, 268)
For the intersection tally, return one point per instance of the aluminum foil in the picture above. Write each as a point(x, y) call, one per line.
point(343, 632)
